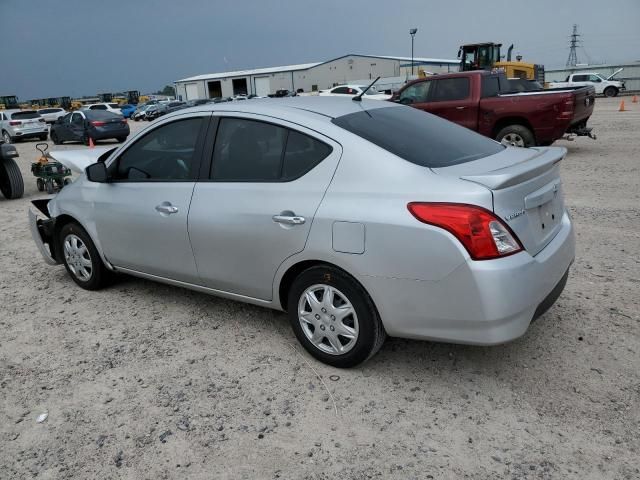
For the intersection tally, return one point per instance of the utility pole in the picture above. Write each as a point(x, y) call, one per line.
point(572, 61)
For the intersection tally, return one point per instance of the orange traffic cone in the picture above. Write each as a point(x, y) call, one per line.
point(92, 145)
point(621, 109)
point(634, 99)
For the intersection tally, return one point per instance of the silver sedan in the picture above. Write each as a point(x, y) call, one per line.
point(359, 219)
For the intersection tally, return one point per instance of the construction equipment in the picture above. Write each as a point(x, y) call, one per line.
point(486, 56)
point(8, 102)
point(105, 97)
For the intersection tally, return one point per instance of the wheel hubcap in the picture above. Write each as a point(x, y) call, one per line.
point(77, 257)
point(513, 140)
point(328, 319)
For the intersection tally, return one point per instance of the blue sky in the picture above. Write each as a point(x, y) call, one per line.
point(76, 47)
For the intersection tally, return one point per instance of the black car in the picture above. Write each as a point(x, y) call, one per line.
point(163, 109)
point(82, 125)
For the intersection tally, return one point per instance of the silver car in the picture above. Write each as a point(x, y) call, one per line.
point(359, 219)
point(18, 125)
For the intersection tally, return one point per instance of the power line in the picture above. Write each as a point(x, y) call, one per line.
point(573, 44)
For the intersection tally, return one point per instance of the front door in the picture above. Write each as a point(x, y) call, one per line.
point(266, 183)
point(75, 128)
point(141, 215)
point(451, 99)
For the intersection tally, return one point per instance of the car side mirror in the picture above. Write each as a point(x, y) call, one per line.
point(8, 151)
point(97, 172)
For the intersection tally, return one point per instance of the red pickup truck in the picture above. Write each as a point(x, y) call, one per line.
point(485, 102)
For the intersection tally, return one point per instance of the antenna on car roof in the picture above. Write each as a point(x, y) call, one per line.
point(358, 98)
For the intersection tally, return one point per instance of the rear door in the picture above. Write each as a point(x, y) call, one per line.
point(76, 127)
point(450, 98)
point(266, 182)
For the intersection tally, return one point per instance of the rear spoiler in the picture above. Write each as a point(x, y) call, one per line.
point(540, 162)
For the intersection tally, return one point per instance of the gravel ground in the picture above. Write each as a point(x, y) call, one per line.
point(143, 380)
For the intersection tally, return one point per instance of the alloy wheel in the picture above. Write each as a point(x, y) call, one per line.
point(328, 319)
point(77, 257)
point(6, 137)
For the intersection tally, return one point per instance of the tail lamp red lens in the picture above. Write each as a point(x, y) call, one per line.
point(481, 232)
point(98, 123)
point(13, 123)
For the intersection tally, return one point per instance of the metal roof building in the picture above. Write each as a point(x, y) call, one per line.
point(308, 77)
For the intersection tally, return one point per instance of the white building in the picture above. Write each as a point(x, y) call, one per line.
point(309, 77)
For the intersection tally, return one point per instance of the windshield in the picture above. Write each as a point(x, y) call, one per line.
point(418, 137)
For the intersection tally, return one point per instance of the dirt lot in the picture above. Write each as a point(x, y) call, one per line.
point(148, 381)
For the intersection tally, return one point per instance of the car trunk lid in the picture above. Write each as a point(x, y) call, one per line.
point(526, 188)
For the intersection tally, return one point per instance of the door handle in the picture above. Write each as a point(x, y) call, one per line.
point(289, 219)
point(460, 108)
point(167, 208)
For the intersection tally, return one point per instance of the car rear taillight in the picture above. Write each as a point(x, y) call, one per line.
point(124, 120)
point(97, 123)
point(566, 110)
point(481, 232)
point(13, 123)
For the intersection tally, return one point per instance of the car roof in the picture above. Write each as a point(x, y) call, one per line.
point(330, 107)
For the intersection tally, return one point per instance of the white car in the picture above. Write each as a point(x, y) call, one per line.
point(603, 86)
point(352, 91)
point(109, 107)
point(50, 115)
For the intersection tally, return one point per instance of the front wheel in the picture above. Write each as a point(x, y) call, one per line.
point(333, 317)
point(11, 182)
point(55, 139)
point(610, 92)
point(81, 258)
point(516, 136)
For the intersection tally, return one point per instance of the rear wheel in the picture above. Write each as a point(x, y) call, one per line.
point(516, 136)
point(11, 182)
point(49, 186)
point(40, 184)
point(81, 259)
point(610, 92)
point(333, 317)
point(6, 137)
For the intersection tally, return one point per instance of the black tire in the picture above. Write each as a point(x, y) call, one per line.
point(40, 184)
point(100, 276)
point(371, 333)
point(48, 184)
point(11, 182)
point(67, 181)
point(121, 139)
point(55, 139)
point(6, 137)
point(610, 92)
point(44, 137)
point(518, 134)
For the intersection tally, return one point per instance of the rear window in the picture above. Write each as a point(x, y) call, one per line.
point(418, 137)
point(100, 115)
point(24, 115)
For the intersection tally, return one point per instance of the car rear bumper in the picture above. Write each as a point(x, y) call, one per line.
point(481, 302)
point(30, 133)
point(100, 133)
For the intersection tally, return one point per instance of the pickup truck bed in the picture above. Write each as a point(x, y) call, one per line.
point(479, 100)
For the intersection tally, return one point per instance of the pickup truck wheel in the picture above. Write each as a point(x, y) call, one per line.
point(611, 92)
point(11, 182)
point(516, 136)
point(81, 259)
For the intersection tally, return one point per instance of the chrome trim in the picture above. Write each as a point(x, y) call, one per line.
point(198, 288)
point(37, 238)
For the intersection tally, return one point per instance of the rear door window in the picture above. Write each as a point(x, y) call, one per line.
point(255, 151)
point(24, 115)
point(418, 137)
point(580, 78)
point(448, 89)
point(341, 90)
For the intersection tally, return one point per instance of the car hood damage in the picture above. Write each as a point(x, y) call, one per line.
point(78, 160)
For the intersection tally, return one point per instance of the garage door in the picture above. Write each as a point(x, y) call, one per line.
point(192, 91)
point(262, 86)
